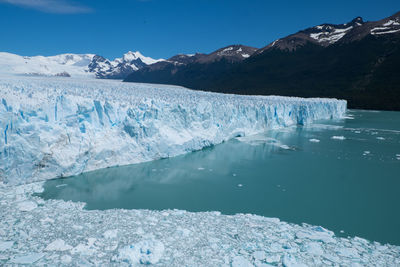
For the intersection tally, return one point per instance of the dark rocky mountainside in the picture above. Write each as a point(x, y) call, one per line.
point(357, 61)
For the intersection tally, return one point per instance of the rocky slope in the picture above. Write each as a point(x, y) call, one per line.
point(357, 61)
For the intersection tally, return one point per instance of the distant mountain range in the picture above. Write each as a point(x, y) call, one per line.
point(357, 61)
point(76, 65)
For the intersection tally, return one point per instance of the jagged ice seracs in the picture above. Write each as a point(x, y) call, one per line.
point(55, 127)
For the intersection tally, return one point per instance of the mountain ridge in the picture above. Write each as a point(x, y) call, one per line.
point(357, 61)
point(77, 65)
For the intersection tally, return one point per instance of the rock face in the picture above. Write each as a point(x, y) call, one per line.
point(229, 54)
point(328, 34)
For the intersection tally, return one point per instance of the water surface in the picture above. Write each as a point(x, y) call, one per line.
point(343, 175)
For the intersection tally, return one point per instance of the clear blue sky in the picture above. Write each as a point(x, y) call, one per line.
point(163, 28)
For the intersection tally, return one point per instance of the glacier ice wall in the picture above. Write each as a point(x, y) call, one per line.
point(54, 127)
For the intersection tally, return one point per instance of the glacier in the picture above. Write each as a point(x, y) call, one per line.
point(56, 127)
point(53, 127)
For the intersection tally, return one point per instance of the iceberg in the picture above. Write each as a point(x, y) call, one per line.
point(55, 127)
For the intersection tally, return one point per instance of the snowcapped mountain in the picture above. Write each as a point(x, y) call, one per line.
point(232, 53)
point(229, 55)
point(75, 65)
point(119, 68)
point(328, 34)
point(59, 65)
point(357, 61)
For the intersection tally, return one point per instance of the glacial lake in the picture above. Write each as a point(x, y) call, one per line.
point(343, 175)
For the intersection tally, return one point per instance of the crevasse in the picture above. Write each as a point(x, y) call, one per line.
point(54, 127)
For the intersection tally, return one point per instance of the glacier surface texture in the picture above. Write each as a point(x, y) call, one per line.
point(55, 127)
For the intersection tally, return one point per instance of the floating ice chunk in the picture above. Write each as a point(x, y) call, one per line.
point(317, 233)
point(140, 231)
point(239, 185)
point(111, 234)
point(29, 258)
point(366, 153)
point(233, 174)
point(66, 259)
point(83, 249)
point(58, 245)
point(27, 206)
point(183, 231)
point(380, 138)
point(335, 137)
point(47, 220)
point(348, 252)
point(273, 258)
point(313, 140)
point(200, 168)
point(284, 147)
point(291, 261)
point(259, 255)
point(143, 252)
point(314, 248)
point(77, 227)
point(240, 261)
point(4, 245)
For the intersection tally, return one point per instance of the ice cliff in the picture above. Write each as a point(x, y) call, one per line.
point(53, 127)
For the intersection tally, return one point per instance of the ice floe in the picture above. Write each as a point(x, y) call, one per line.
point(335, 137)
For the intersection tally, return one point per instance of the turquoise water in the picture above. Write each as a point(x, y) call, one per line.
point(350, 184)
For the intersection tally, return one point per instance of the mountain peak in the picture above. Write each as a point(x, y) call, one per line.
point(395, 15)
point(129, 56)
point(358, 19)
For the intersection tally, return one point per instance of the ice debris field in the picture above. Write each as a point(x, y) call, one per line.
point(53, 127)
point(55, 232)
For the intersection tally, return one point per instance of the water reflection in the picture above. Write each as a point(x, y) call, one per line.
point(281, 173)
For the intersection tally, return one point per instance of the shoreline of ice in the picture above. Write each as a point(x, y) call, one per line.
point(55, 127)
point(38, 232)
